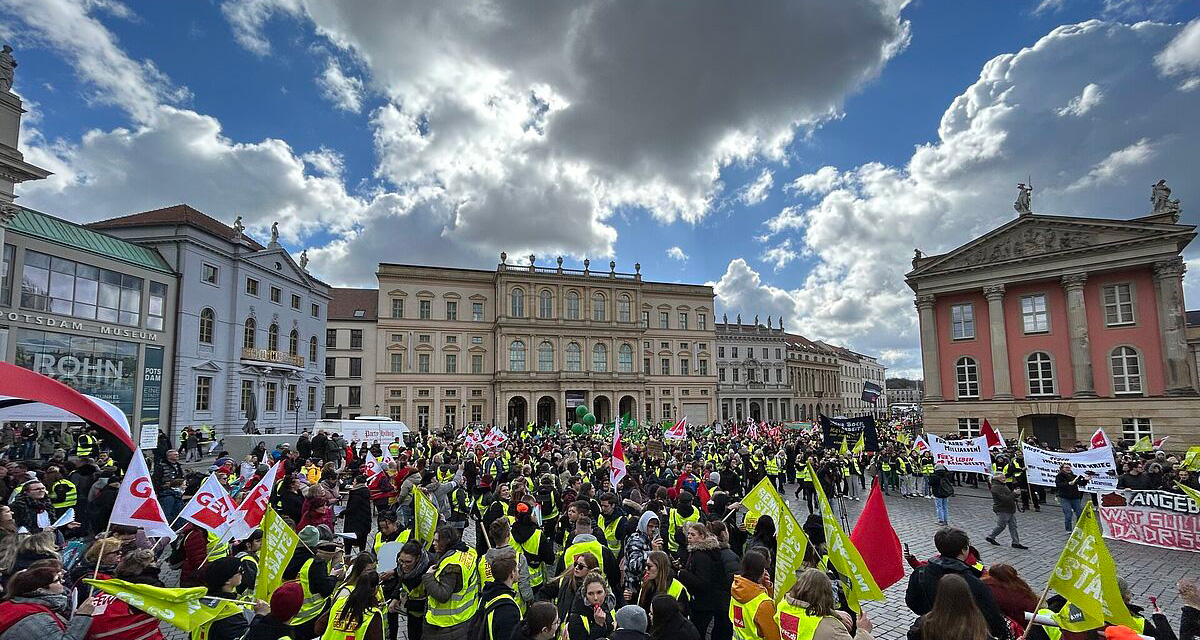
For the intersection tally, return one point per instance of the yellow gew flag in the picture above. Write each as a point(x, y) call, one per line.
point(844, 555)
point(1087, 577)
point(187, 609)
point(792, 543)
point(1191, 460)
point(1190, 492)
point(1143, 444)
point(278, 545)
point(427, 516)
point(861, 445)
point(843, 450)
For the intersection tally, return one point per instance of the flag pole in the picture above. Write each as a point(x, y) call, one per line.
point(1033, 620)
point(100, 555)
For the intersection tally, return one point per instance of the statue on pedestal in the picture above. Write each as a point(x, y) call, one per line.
point(1160, 197)
point(1024, 199)
point(8, 66)
point(304, 259)
point(274, 233)
point(238, 229)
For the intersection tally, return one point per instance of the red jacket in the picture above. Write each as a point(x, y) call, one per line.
point(116, 620)
point(195, 552)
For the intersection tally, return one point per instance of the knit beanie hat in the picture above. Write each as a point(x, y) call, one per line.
point(310, 536)
point(631, 617)
point(218, 572)
point(286, 601)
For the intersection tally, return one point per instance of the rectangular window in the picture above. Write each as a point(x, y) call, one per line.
point(1033, 313)
point(356, 338)
point(312, 399)
point(702, 321)
point(476, 413)
point(156, 310)
point(397, 307)
point(683, 320)
point(75, 289)
point(665, 366)
point(664, 345)
point(962, 321)
point(766, 375)
point(247, 392)
point(423, 338)
point(355, 399)
point(476, 364)
point(967, 375)
point(330, 367)
point(422, 363)
point(450, 415)
point(664, 320)
point(736, 374)
point(355, 367)
point(778, 354)
point(734, 352)
point(423, 308)
point(1134, 429)
point(331, 338)
point(423, 417)
point(210, 274)
point(645, 319)
point(276, 295)
point(779, 375)
point(476, 339)
point(204, 393)
point(251, 287)
point(451, 363)
point(666, 410)
point(397, 362)
point(293, 399)
point(968, 427)
point(272, 395)
point(295, 302)
point(702, 346)
point(396, 412)
point(721, 374)
point(720, 352)
point(452, 310)
point(703, 367)
point(451, 339)
point(315, 311)
point(685, 367)
point(477, 311)
point(1118, 304)
point(330, 397)
point(6, 275)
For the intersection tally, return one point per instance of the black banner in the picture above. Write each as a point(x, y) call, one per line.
point(837, 429)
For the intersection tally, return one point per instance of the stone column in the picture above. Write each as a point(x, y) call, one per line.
point(1000, 373)
point(1077, 331)
point(930, 364)
point(1168, 287)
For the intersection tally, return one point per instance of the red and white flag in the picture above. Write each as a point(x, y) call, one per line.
point(992, 435)
point(494, 438)
point(1157, 444)
point(374, 467)
point(211, 508)
point(249, 514)
point(752, 432)
point(1099, 439)
point(472, 438)
point(920, 445)
point(137, 505)
point(616, 471)
point(677, 432)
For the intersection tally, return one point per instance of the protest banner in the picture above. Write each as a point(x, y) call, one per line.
point(1154, 518)
point(792, 543)
point(1096, 464)
point(426, 515)
point(970, 455)
point(850, 429)
point(278, 544)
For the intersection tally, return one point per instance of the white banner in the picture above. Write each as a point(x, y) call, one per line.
point(1096, 464)
point(970, 455)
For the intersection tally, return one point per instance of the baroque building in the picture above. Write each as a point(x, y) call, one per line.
point(814, 375)
point(351, 353)
point(752, 366)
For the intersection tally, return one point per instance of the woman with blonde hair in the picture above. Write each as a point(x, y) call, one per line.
point(564, 588)
point(38, 546)
point(592, 615)
point(808, 608)
point(658, 578)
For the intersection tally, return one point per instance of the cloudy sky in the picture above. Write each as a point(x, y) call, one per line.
point(790, 152)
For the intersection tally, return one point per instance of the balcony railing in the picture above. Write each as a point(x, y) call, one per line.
point(275, 357)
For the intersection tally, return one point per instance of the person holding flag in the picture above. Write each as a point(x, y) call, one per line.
point(222, 578)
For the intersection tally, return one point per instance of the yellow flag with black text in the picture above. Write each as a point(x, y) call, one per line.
point(857, 580)
point(764, 500)
point(861, 445)
point(426, 515)
point(1086, 576)
point(279, 543)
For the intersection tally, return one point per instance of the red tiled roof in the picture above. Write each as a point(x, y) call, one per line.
point(174, 214)
point(346, 301)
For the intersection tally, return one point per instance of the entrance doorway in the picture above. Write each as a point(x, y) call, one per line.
point(627, 406)
point(1054, 430)
point(602, 409)
point(756, 411)
point(518, 409)
point(545, 411)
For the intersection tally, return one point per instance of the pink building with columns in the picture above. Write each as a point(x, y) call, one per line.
point(1058, 326)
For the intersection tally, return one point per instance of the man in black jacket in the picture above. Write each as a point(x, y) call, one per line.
point(1004, 505)
point(952, 545)
point(499, 613)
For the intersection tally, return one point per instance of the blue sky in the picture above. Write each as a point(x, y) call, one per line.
point(771, 149)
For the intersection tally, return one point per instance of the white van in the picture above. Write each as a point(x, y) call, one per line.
point(369, 429)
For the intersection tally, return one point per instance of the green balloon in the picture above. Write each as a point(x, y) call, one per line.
point(589, 420)
point(578, 429)
point(581, 411)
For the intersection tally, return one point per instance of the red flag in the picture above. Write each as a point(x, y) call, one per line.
point(877, 541)
point(993, 438)
point(702, 494)
point(616, 471)
point(1099, 439)
point(137, 505)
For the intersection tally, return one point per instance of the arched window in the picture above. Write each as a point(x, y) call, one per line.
point(967, 372)
point(546, 356)
point(574, 357)
point(623, 305)
point(273, 337)
point(598, 307)
point(516, 356)
point(1126, 370)
point(546, 304)
point(599, 358)
point(572, 305)
point(248, 335)
point(294, 343)
point(1041, 374)
point(518, 303)
point(625, 359)
point(312, 349)
point(208, 318)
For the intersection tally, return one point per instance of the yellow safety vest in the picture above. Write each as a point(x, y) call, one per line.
point(341, 629)
point(463, 604)
point(313, 603)
point(927, 468)
point(610, 533)
point(84, 446)
point(394, 449)
point(772, 467)
point(581, 548)
point(675, 520)
point(490, 607)
point(224, 610)
point(71, 497)
point(379, 541)
point(742, 616)
point(312, 473)
point(678, 591)
point(485, 572)
point(795, 623)
point(530, 549)
point(802, 475)
point(217, 549)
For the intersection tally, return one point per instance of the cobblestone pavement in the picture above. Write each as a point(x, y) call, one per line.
point(1150, 571)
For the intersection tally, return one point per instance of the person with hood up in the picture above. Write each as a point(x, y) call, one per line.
point(667, 621)
point(285, 602)
point(591, 616)
point(703, 573)
point(36, 608)
point(751, 608)
point(631, 623)
point(541, 622)
point(953, 547)
point(637, 546)
point(453, 578)
point(810, 605)
point(499, 612)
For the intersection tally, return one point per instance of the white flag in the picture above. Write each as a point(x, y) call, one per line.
point(211, 508)
point(616, 471)
point(249, 514)
point(137, 504)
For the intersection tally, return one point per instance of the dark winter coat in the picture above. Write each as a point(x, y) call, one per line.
point(505, 617)
point(922, 587)
point(676, 627)
point(358, 511)
point(704, 575)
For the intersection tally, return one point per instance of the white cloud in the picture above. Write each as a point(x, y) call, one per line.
point(780, 255)
point(1084, 102)
point(862, 224)
point(819, 183)
point(1115, 9)
point(345, 92)
point(675, 253)
point(1182, 56)
point(757, 191)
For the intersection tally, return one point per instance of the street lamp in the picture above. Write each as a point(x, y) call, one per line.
point(376, 410)
point(294, 405)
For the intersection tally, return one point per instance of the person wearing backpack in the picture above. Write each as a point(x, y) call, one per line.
point(942, 490)
point(498, 612)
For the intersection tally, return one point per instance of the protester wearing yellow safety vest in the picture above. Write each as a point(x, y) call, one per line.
point(808, 612)
point(357, 615)
point(452, 586)
point(613, 521)
point(678, 517)
point(500, 535)
point(592, 614)
point(310, 565)
point(222, 578)
point(659, 577)
point(500, 613)
point(536, 547)
point(388, 531)
point(247, 554)
point(85, 446)
point(750, 608)
point(404, 590)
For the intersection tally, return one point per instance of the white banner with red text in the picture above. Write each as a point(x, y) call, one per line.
point(1153, 518)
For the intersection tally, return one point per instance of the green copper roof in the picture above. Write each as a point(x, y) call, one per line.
point(45, 227)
